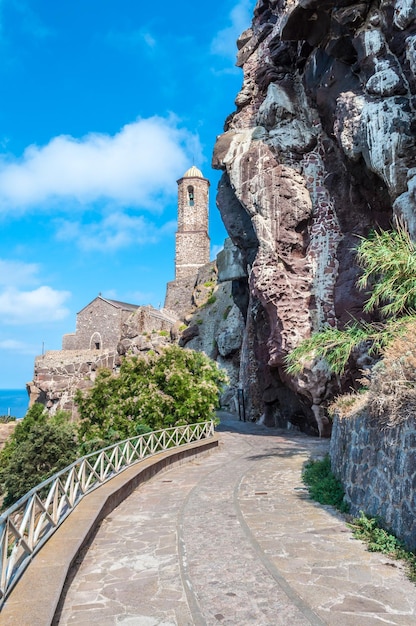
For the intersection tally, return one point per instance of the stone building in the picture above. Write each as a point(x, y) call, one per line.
point(99, 325)
point(192, 240)
point(106, 329)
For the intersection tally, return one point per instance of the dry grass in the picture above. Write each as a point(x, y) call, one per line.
point(392, 390)
point(390, 397)
point(348, 405)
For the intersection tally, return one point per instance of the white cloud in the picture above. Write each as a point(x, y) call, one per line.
point(224, 43)
point(23, 300)
point(136, 167)
point(15, 346)
point(115, 231)
point(15, 273)
point(43, 304)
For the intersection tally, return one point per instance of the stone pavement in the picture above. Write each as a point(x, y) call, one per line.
point(233, 539)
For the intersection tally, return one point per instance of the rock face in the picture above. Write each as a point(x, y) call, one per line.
point(320, 149)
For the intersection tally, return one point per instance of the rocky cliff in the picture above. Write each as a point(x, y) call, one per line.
point(320, 149)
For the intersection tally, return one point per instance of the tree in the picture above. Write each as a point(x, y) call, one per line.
point(177, 387)
point(39, 447)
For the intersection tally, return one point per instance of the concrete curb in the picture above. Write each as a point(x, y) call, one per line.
point(35, 598)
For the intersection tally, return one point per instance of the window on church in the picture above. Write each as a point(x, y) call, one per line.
point(97, 345)
point(191, 196)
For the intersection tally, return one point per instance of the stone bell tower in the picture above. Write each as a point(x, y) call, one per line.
point(192, 240)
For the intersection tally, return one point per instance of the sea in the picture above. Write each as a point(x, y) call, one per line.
point(14, 402)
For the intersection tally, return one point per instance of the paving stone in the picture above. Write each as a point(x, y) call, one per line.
point(235, 540)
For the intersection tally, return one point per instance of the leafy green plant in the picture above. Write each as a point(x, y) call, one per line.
point(378, 539)
point(177, 387)
point(209, 283)
point(388, 260)
point(323, 486)
point(212, 299)
point(163, 333)
point(336, 346)
point(39, 447)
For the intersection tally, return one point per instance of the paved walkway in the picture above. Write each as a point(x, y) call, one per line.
point(233, 539)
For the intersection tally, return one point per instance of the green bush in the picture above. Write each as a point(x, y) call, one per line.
point(336, 346)
point(177, 387)
point(322, 484)
point(378, 539)
point(39, 447)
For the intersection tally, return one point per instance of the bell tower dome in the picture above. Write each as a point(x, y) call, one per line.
point(192, 240)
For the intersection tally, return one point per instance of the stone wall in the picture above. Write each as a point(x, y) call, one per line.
point(378, 470)
point(6, 430)
point(98, 326)
point(192, 251)
point(192, 241)
point(180, 293)
point(59, 373)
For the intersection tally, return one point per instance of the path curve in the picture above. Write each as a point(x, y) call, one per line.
point(234, 539)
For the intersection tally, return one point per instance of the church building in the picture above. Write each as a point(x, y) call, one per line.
point(99, 324)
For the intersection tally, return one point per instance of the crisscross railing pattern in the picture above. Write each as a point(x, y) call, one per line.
point(29, 523)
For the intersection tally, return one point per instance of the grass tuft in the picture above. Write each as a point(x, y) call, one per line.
point(322, 484)
point(368, 529)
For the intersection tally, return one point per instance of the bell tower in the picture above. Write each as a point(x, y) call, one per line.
point(192, 240)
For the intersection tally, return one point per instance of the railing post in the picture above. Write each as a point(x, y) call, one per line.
point(21, 520)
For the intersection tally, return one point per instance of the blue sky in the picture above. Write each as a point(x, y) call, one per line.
point(105, 104)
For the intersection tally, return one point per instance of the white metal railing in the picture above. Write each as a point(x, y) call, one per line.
point(31, 521)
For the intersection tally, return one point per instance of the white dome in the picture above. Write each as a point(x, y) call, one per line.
point(193, 172)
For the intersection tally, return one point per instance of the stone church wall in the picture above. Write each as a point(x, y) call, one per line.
point(59, 373)
point(378, 470)
point(98, 323)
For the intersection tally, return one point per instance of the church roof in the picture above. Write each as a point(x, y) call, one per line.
point(125, 306)
point(193, 172)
